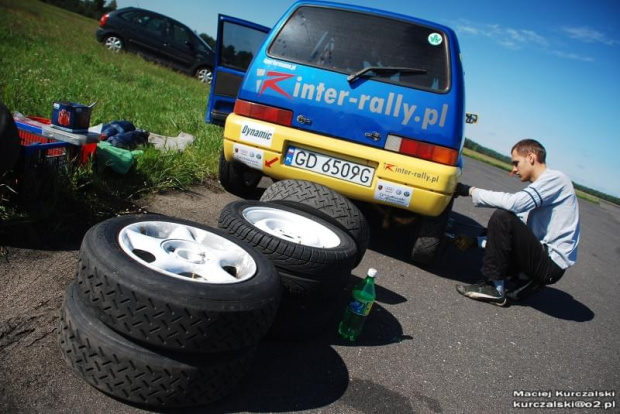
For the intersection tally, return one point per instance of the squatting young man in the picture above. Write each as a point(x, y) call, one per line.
point(533, 235)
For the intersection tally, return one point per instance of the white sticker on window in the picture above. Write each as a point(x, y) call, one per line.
point(435, 39)
point(252, 157)
point(393, 193)
point(257, 134)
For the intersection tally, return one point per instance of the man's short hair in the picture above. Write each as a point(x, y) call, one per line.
point(526, 146)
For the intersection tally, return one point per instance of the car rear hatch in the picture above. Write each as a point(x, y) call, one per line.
point(364, 76)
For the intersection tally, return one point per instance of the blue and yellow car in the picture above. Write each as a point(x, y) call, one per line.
point(366, 102)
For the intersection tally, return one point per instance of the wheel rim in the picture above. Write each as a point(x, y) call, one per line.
point(204, 75)
point(114, 44)
point(291, 227)
point(186, 252)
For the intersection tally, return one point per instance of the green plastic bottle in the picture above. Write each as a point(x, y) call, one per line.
point(358, 309)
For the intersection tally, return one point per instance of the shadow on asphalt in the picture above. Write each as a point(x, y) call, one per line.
point(558, 304)
point(450, 263)
point(37, 235)
point(308, 375)
point(465, 267)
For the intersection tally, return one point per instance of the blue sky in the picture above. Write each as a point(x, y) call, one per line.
point(546, 70)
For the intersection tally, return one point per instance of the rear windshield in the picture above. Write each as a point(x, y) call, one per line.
point(346, 41)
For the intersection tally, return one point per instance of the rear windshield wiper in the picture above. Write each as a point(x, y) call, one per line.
point(384, 71)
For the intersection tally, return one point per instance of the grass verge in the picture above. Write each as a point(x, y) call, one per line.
point(49, 54)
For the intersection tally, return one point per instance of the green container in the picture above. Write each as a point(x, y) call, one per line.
point(119, 160)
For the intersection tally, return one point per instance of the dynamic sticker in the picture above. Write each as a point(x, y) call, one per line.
point(252, 157)
point(393, 193)
point(257, 134)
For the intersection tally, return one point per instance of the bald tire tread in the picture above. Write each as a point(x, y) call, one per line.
point(172, 313)
point(130, 372)
point(284, 254)
point(324, 203)
point(430, 237)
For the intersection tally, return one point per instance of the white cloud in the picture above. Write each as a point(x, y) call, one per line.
point(585, 34)
point(504, 36)
point(519, 39)
point(573, 56)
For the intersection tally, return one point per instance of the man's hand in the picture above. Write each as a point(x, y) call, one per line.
point(462, 190)
point(463, 242)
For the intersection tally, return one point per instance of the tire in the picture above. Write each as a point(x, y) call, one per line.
point(114, 43)
point(304, 318)
point(123, 369)
point(324, 203)
point(302, 286)
point(430, 236)
point(237, 178)
point(197, 306)
point(204, 74)
point(294, 241)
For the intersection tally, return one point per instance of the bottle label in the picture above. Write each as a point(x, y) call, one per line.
point(360, 307)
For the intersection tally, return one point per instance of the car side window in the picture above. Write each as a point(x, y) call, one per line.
point(150, 22)
point(179, 34)
point(130, 16)
point(239, 45)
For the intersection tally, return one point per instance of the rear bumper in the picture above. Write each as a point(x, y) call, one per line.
point(401, 181)
point(100, 34)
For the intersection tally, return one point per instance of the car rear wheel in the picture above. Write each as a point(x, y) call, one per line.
point(238, 178)
point(114, 43)
point(430, 237)
point(204, 75)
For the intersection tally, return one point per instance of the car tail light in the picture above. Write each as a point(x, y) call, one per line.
point(264, 112)
point(423, 150)
point(104, 19)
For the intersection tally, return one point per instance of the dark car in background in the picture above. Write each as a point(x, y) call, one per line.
point(157, 38)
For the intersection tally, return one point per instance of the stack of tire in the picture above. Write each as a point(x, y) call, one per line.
point(166, 312)
point(315, 237)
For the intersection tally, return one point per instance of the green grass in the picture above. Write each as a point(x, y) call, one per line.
point(48, 54)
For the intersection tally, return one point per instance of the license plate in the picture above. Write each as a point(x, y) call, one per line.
point(330, 166)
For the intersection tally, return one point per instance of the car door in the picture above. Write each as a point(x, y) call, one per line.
point(180, 49)
point(237, 43)
point(148, 35)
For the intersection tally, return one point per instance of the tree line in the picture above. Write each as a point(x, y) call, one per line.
point(474, 146)
point(89, 8)
point(97, 8)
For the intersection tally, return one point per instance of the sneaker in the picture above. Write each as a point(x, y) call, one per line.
point(524, 289)
point(484, 291)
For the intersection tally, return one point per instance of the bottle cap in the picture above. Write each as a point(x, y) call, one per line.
point(372, 272)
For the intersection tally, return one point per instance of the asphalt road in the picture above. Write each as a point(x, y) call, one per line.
point(425, 349)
